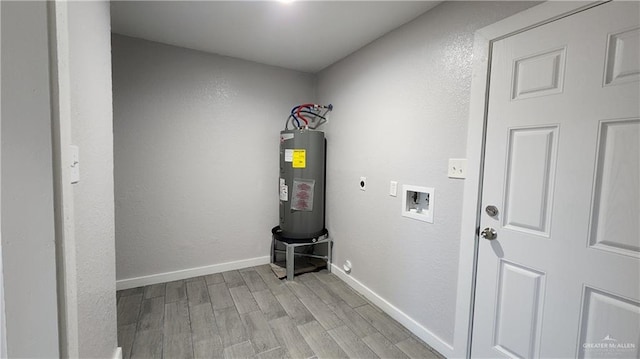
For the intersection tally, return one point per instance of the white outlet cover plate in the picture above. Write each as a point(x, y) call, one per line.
point(393, 188)
point(457, 168)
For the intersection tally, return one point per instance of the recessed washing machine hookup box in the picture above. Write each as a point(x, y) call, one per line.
point(418, 202)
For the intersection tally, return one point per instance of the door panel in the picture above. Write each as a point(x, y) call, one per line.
point(519, 305)
point(539, 74)
point(562, 164)
point(623, 57)
point(604, 313)
point(530, 171)
point(616, 191)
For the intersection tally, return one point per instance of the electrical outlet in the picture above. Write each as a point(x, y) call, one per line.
point(363, 183)
point(393, 188)
point(457, 168)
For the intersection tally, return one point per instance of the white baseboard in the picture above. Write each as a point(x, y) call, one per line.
point(416, 328)
point(189, 273)
point(118, 353)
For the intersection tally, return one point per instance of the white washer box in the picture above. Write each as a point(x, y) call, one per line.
point(418, 202)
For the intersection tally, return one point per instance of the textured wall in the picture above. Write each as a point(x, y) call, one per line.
point(401, 112)
point(196, 155)
point(91, 129)
point(28, 251)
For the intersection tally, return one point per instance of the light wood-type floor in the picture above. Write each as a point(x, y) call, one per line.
point(251, 314)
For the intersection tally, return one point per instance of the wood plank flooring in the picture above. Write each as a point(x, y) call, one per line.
point(251, 314)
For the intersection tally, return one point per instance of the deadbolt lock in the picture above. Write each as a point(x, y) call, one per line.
point(491, 210)
point(489, 233)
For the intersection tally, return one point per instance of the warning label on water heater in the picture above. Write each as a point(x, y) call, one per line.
point(288, 155)
point(299, 159)
point(302, 196)
point(284, 190)
point(285, 136)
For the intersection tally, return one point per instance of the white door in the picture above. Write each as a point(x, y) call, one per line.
point(562, 168)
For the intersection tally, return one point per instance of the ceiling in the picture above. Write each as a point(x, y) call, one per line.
point(305, 36)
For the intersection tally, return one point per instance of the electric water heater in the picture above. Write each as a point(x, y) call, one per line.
point(302, 181)
point(302, 175)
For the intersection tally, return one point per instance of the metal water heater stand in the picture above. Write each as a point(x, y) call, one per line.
point(290, 249)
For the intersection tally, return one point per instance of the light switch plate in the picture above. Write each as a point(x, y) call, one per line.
point(393, 188)
point(363, 183)
point(457, 168)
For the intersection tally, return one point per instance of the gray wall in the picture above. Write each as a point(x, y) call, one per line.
point(93, 197)
point(196, 155)
point(401, 111)
point(28, 251)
